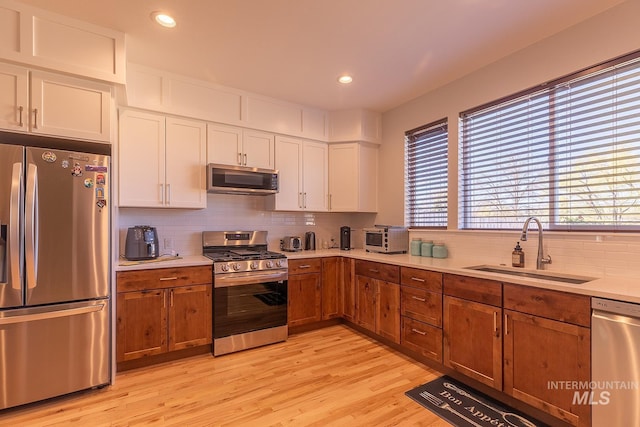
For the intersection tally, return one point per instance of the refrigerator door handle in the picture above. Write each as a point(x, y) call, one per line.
point(14, 227)
point(31, 226)
point(51, 314)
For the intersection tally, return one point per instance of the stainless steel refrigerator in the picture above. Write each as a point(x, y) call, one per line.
point(54, 271)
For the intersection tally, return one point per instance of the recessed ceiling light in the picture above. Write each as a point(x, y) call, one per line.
point(346, 79)
point(163, 19)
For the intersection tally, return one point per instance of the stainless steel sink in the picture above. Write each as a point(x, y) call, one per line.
point(554, 277)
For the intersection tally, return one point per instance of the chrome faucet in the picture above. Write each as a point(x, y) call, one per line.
point(541, 259)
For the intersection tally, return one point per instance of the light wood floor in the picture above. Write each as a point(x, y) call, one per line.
point(328, 377)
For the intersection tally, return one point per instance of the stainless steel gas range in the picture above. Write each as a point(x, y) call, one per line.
point(250, 290)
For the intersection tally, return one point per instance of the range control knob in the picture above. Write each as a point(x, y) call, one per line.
point(253, 265)
point(236, 266)
point(279, 263)
point(268, 264)
point(224, 267)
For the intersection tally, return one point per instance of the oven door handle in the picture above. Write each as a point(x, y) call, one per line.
point(251, 278)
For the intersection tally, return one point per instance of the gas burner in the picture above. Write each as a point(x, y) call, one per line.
point(241, 252)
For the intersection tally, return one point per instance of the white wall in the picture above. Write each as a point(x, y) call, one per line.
point(237, 212)
point(605, 36)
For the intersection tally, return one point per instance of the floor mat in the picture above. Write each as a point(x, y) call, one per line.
point(463, 406)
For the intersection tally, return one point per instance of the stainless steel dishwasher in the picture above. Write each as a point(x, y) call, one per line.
point(615, 363)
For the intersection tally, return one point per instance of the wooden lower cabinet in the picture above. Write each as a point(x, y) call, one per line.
point(539, 351)
point(314, 290)
point(422, 338)
point(347, 289)
point(331, 276)
point(377, 297)
point(366, 291)
point(547, 339)
point(157, 321)
point(388, 311)
point(142, 324)
point(154, 319)
point(473, 340)
point(421, 311)
point(189, 316)
point(304, 299)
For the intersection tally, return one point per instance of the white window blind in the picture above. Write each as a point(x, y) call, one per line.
point(426, 173)
point(568, 153)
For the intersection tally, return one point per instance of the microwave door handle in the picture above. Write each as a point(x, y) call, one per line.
point(13, 242)
point(31, 226)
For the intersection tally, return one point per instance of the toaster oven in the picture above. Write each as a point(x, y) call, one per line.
point(386, 239)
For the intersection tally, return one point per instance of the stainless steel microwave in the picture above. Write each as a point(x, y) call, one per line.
point(229, 179)
point(386, 239)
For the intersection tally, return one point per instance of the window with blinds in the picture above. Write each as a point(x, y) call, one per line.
point(426, 173)
point(567, 153)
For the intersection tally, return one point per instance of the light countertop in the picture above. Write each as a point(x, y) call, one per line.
point(624, 289)
point(163, 262)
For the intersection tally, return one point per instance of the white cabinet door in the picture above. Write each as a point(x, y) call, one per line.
point(14, 97)
point(258, 149)
point(141, 159)
point(289, 165)
point(224, 144)
point(70, 107)
point(161, 161)
point(353, 171)
point(186, 157)
point(315, 170)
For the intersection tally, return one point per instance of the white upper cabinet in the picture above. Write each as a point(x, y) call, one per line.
point(51, 104)
point(230, 145)
point(302, 167)
point(161, 161)
point(353, 177)
point(37, 37)
point(14, 97)
point(258, 149)
point(70, 107)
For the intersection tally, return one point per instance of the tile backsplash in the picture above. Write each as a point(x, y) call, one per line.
point(181, 230)
point(588, 254)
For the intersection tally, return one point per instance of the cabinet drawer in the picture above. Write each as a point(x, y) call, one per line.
point(556, 305)
point(422, 338)
point(302, 266)
point(137, 280)
point(386, 272)
point(423, 279)
point(421, 305)
point(470, 288)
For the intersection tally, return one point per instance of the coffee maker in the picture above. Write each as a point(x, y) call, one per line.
point(345, 238)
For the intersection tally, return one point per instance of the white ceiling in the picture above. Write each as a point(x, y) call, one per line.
point(294, 50)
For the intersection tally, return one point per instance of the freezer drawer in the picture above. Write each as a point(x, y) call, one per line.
point(53, 350)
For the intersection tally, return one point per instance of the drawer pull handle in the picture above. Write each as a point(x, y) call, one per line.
point(417, 279)
point(305, 266)
point(162, 279)
point(418, 332)
point(418, 298)
point(373, 270)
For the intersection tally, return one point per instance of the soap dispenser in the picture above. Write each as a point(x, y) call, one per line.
point(517, 256)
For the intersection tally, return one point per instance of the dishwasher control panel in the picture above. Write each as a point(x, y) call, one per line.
point(618, 307)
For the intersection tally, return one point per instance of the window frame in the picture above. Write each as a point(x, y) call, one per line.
point(440, 130)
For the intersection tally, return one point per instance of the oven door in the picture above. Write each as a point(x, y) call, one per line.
point(247, 302)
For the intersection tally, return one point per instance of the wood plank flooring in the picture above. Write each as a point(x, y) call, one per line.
point(327, 377)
